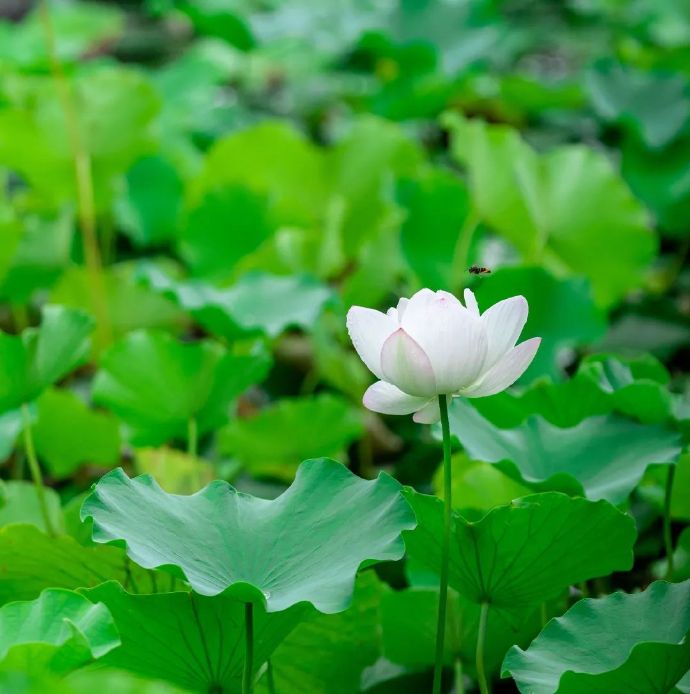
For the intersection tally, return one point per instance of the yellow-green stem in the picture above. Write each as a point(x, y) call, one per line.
point(35, 469)
point(269, 678)
point(668, 538)
point(192, 437)
point(248, 675)
point(459, 677)
point(445, 548)
point(84, 182)
point(481, 641)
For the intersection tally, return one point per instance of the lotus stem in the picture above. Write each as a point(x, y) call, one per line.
point(269, 677)
point(35, 469)
point(445, 549)
point(248, 675)
point(192, 437)
point(481, 640)
point(83, 179)
point(668, 537)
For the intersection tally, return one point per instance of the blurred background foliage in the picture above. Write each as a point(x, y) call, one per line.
point(216, 183)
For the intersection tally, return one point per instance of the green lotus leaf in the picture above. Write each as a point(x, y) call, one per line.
point(614, 645)
point(157, 384)
point(117, 106)
point(275, 440)
point(227, 225)
point(561, 312)
point(58, 632)
point(655, 106)
point(533, 201)
point(11, 425)
point(327, 653)
point(257, 303)
point(477, 486)
point(19, 503)
point(149, 209)
point(602, 457)
point(193, 641)
point(431, 236)
point(526, 552)
point(408, 622)
point(41, 356)
point(306, 545)
point(31, 561)
point(42, 254)
point(602, 384)
point(130, 305)
point(68, 434)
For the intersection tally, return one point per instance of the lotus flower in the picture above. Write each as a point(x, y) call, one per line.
point(432, 345)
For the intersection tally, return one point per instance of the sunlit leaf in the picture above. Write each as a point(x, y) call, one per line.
point(615, 645)
point(282, 552)
point(58, 632)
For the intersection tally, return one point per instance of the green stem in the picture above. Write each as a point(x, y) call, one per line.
point(248, 675)
point(459, 679)
point(459, 263)
point(35, 469)
point(668, 538)
point(445, 550)
point(192, 437)
point(269, 677)
point(481, 640)
point(83, 179)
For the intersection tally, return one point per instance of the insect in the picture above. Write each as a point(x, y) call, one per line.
point(476, 270)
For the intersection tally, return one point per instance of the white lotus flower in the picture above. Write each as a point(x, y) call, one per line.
point(432, 345)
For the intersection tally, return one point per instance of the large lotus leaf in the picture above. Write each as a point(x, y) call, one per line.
point(306, 545)
point(561, 312)
point(116, 107)
point(149, 209)
point(408, 622)
point(326, 654)
point(58, 632)
point(157, 384)
point(77, 28)
point(228, 224)
point(526, 552)
point(44, 251)
point(31, 561)
point(434, 236)
point(194, 641)
point(362, 166)
point(19, 503)
point(275, 440)
point(176, 471)
point(271, 159)
point(257, 303)
point(655, 106)
point(11, 425)
point(602, 384)
point(39, 357)
point(68, 434)
point(130, 305)
point(660, 179)
point(534, 201)
point(602, 457)
point(620, 644)
point(477, 486)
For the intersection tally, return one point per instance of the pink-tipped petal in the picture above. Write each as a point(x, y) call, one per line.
point(506, 371)
point(368, 331)
point(387, 399)
point(471, 302)
point(452, 337)
point(503, 323)
point(405, 364)
point(429, 414)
